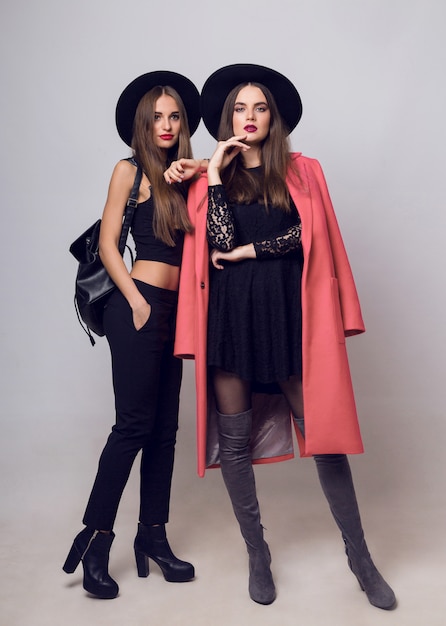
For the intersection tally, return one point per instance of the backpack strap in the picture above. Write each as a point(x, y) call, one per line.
point(130, 209)
point(132, 160)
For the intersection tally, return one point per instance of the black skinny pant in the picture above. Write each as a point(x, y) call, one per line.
point(146, 381)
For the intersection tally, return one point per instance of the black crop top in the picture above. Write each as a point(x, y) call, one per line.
point(148, 247)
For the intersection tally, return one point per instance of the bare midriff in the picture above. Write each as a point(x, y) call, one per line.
point(157, 274)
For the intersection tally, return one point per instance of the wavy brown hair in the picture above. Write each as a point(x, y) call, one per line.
point(244, 187)
point(170, 213)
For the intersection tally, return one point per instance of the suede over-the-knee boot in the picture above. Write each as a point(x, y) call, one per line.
point(235, 458)
point(337, 484)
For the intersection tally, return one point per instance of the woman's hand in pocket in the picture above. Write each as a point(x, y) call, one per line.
point(141, 315)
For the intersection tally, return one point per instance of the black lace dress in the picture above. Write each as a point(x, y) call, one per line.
point(255, 324)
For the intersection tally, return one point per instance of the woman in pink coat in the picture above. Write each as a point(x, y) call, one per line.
point(266, 320)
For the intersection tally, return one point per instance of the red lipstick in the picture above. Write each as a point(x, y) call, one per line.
point(166, 137)
point(250, 128)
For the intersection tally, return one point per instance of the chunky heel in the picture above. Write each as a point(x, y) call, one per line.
point(142, 564)
point(72, 561)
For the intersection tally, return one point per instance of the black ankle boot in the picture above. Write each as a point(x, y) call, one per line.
point(93, 548)
point(337, 484)
point(151, 542)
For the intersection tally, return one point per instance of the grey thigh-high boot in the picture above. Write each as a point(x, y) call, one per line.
point(235, 458)
point(337, 484)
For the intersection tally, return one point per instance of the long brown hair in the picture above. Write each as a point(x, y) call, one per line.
point(170, 213)
point(244, 187)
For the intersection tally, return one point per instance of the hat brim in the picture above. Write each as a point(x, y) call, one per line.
point(132, 94)
point(220, 83)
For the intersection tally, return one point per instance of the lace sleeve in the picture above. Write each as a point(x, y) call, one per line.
point(286, 241)
point(220, 224)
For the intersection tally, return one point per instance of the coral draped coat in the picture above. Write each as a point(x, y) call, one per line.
point(330, 312)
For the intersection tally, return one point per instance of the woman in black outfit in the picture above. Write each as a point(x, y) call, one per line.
point(155, 115)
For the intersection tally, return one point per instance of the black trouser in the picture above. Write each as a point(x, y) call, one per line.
point(146, 380)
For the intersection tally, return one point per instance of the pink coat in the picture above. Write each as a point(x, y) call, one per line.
point(330, 312)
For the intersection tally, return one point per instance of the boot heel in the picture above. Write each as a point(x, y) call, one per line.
point(72, 561)
point(142, 564)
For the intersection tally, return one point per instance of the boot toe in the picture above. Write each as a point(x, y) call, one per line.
point(180, 572)
point(104, 590)
point(381, 596)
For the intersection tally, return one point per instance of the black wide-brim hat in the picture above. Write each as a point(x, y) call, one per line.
point(132, 94)
point(220, 83)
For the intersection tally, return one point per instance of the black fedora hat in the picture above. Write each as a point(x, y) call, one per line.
point(221, 82)
point(132, 94)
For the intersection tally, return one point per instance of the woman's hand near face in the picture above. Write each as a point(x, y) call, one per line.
point(184, 169)
point(224, 153)
point(236, 254)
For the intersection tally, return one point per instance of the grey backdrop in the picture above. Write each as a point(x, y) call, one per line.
point(371, 77)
